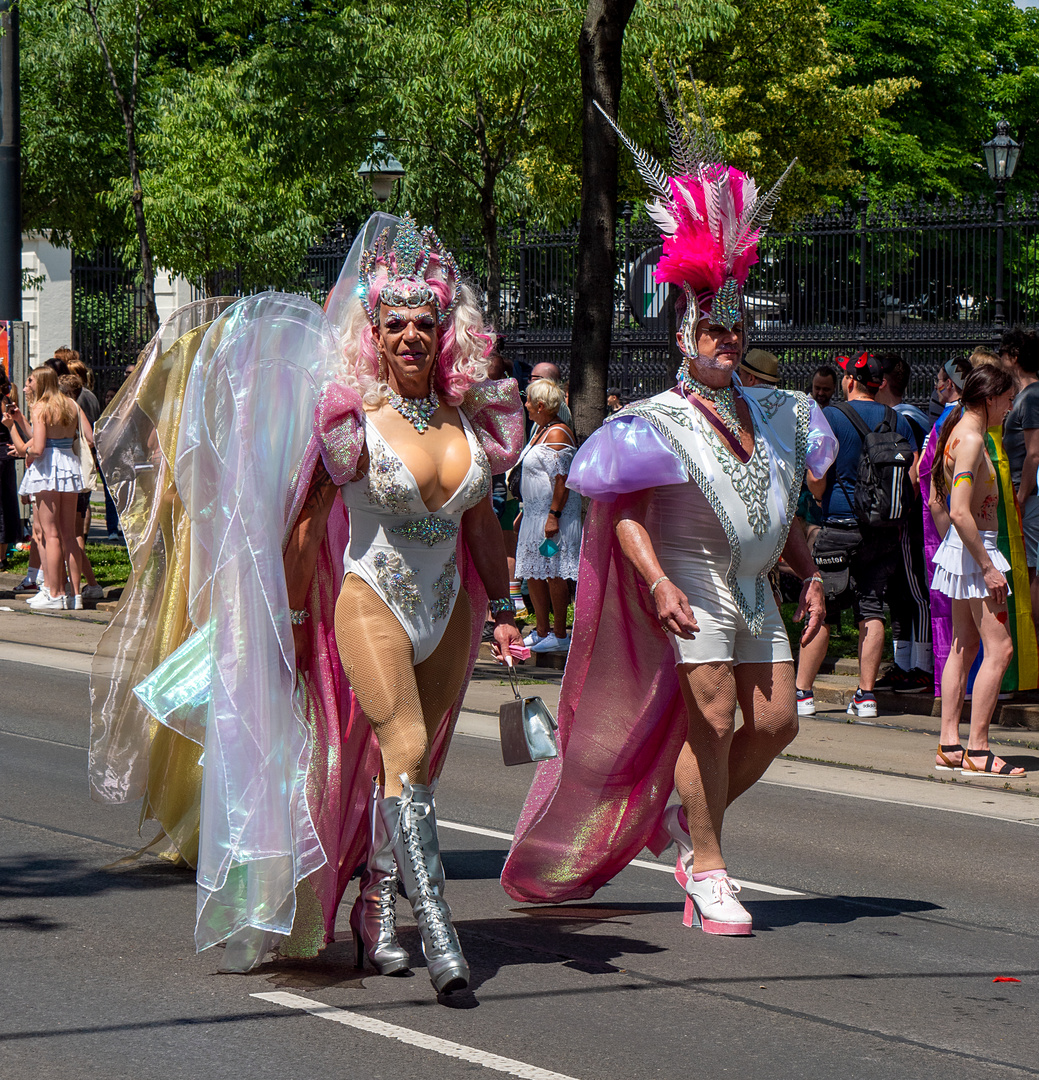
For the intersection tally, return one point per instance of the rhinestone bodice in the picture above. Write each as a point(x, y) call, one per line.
point(405, 551)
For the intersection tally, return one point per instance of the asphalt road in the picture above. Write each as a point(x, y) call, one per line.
point(875, 956)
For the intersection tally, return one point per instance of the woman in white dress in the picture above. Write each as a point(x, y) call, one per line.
point(53, 479)
point(551, 517)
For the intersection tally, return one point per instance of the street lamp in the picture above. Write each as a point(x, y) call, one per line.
point(382, 169)
point(1001, 154)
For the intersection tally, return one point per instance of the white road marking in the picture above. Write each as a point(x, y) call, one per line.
point(412, 1038)
point(645, 864)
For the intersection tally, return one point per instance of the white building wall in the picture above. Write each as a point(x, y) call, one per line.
point(47, 305)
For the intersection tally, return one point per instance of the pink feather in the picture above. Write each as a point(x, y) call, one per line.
point(696, 253)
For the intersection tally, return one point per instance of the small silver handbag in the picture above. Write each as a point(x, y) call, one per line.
point(527, 728)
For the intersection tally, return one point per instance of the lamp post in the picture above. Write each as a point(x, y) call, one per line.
point(10, 167)
point(381, 169)
point(1001, 154)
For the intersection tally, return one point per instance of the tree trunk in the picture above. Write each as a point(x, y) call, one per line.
point(151, 312)
point(489, 225)
point(128, 108)
point(599, 49)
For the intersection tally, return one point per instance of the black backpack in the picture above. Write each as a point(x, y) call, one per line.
point(883, 488)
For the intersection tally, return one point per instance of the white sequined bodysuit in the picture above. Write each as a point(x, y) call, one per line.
point(405, 552)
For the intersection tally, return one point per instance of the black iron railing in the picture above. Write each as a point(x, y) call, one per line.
point(918, 278)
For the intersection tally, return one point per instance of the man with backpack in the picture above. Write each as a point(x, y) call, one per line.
point(866, 496)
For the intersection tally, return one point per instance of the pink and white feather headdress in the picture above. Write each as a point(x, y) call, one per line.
point(711, 217)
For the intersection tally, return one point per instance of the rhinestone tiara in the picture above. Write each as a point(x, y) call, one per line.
point(406, 263)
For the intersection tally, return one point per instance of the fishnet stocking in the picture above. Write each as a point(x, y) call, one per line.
point(717, 765)
point(403, 703)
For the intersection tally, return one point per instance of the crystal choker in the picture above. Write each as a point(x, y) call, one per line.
point(416, 411)
point(723, 399)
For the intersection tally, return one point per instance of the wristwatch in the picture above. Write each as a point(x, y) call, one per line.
point(556, 513)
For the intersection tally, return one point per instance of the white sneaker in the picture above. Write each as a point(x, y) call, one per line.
point(548, 643)
point(532, 639)
point(38, 597)
point(93, 592)
point(805, 703)
point(52, 603)
point(74, 603)
point(714, 901)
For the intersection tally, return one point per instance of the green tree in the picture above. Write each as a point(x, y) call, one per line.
point(973, 62)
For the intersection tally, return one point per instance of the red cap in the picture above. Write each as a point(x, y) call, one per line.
point(866, 370)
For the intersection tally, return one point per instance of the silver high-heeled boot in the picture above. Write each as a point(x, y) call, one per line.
point(416, 846)
point(374, 916)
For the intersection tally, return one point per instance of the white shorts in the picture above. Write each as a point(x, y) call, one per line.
point(724, 636)
point(958, 574)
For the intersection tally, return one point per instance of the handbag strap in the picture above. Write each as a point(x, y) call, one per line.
point(513, 680)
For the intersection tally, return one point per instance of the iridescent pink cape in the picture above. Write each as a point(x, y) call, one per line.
point(621, 725)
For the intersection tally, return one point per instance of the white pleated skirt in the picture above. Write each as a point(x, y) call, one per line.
point(56, 469)
point(957, 573)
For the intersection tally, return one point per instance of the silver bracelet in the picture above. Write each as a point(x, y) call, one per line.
point(815, 577)
point(298, 617)
point(653, 587)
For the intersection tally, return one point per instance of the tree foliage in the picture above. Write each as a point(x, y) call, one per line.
point(972, 62)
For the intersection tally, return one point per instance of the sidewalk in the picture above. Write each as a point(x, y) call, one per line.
point(893, 746)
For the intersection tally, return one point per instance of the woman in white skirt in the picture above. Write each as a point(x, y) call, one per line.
point(53, 480)
point(551, 514)
point(969, 568)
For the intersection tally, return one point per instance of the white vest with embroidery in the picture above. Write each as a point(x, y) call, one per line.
point(754, 501)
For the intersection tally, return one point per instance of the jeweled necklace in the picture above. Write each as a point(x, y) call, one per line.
point(723, 399)
point(416, 411)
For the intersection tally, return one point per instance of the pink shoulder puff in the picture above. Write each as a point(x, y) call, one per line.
point(339, 426)
point(496, 413)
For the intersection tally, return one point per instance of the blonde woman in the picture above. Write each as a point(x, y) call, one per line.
point(549, 543)
point(53, 478)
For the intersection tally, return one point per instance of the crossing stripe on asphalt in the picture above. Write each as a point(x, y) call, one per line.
point(412, 1038)
point(750, 886)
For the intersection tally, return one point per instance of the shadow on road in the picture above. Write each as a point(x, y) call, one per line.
point(830, 910)
point(40, 877)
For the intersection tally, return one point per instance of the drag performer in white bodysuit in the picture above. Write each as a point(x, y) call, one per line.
point(675, 624)
point(326, 580)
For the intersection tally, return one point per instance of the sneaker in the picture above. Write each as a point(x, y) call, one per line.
point(892, 679)
point(563, 644)
point(93, 592)
point(863, 704)
point(805, 703)
point(916, 681)
point(52, 603)
point(74, 602)
point(27, 584)
point(115, 536)
point(714, 901)
point(532, 639)
point(548, 643)
point(43, 593)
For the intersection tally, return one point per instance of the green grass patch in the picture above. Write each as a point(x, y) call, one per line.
point(111, 563)
point(844, 638)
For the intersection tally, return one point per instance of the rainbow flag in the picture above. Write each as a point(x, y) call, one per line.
point(1023, 672)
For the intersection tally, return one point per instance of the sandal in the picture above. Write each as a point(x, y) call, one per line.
point(944, 763)
point(989, 769)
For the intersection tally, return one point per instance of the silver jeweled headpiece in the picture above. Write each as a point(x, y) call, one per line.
point(406, 263)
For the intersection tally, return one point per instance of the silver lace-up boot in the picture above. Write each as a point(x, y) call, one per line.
point(374, 915)
point(411, 822)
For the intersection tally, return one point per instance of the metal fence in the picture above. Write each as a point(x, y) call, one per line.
point(920, 279)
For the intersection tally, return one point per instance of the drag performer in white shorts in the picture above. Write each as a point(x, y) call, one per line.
point(676, 624)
